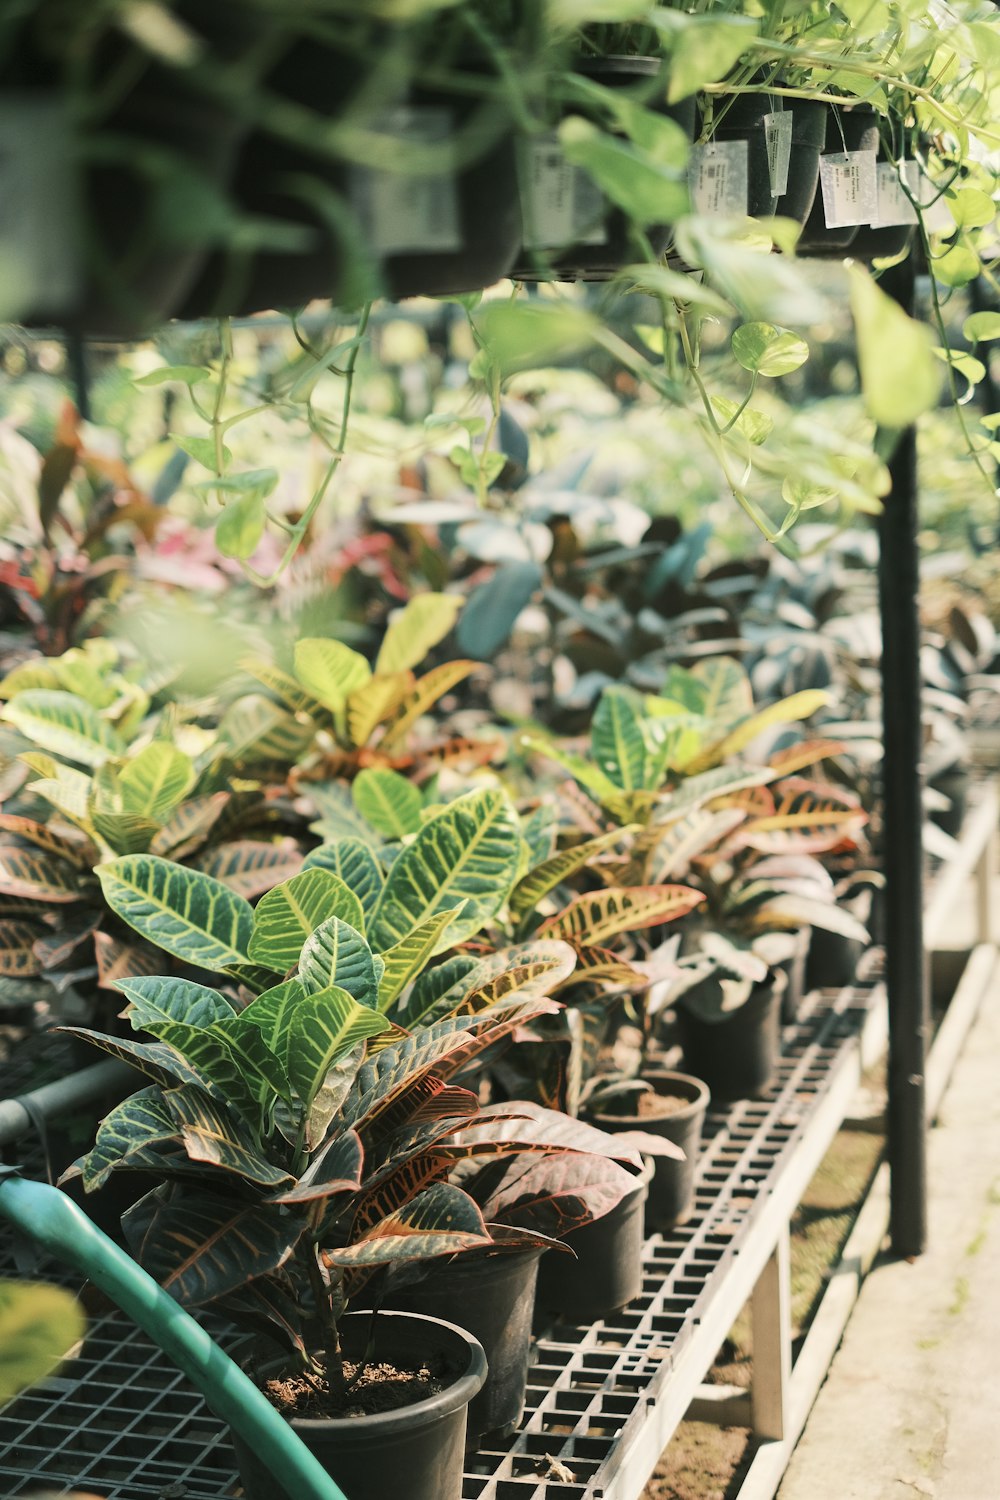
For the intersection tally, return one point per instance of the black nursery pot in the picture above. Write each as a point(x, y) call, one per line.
point(493, 1298)
point(741, 118)
point(418, 1450)
point(953, 783)
point(671, 1190)
point(846, 130)
point(607, 1272)
point(794, 970)
point(598, 261)
point(808, 136)
point(737, 1055)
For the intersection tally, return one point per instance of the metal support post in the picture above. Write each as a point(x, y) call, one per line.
point(906, 970)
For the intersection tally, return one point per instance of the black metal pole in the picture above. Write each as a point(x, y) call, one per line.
point(76, 355)
point(906, 970)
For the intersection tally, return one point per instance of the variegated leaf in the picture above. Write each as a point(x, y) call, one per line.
point(29, 831)
point(17, 948)
point(526, 972)
point(65, 725)
point(726, 687)
point(696, 790)
point(209, 1055)
point(291, 693)
point(271, 1013)
point(37, 876)
point(593, 919)
point(158, 1061)
point(423, 623)
point(252, 866)
point(153, 782)
point(389, 802)
point(330, 671)
point(201, 1247)
point(439, 1221)
point(786, 711)
point(552, 872)
point(124, 833)
point(407, 957)
point(367, 706)
point(617, 740)
point(354, 862)
point(197, 919)
point(336, 1169)
point(688, 837)
point(323, 1028)
point(338, 817)
point(117, 960)
point(337, 954)
point(291, 913)
point(139, 1123)
point(167, 998)
point(467, 853)
point(432, 686)
point(187, 829)
point(805, 753)
point(255, 730)
point(211, 1135)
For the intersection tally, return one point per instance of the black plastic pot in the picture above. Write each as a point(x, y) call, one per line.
point(833, 960)
point(808, 137)
point(671, 1190)
point(953, 783)
point(493, 1298)
point(598, 261)
point(741, 118)
point(846, 130)
point(607, 1272)
point(737, 1054)
point(794, 970)
point(417, 1451)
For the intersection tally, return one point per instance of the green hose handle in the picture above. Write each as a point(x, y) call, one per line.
point(55, 1221)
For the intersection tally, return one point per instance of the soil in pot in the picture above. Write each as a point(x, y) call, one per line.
point(737, 1054)
point(573, 231)
point(846, 130)
point(417, 1449)
point(493, 1298)
point(675, 1109)
point(607, 1272)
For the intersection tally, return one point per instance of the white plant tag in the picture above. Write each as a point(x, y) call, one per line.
point(718, 178)
point(850, 194)
point(409, 211)
point(39, 197)
point(561, 204)
point(778, 135)
point(894, 207)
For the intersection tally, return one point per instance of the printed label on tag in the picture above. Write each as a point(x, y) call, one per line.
point(717, 177)
point(848, 181)
point(561, 203)
point(39, 196)
point(894, 207)
point(409, 211)
point(778, 135)
point(938, 217)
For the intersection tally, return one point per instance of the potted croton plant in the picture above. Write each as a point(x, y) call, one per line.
point(307, 1141)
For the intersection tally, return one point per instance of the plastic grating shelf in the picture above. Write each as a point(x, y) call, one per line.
point(122, 1421)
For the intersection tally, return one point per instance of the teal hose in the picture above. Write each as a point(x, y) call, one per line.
point(55, 1221)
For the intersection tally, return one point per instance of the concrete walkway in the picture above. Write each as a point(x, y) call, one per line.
point(911, 1406)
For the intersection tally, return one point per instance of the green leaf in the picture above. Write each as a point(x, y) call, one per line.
point(188, 914)
point(339, 818)
point(66, 725)
point(764, 349)
point(323, 1028)
point(18, 958)
point(39, 1324)
point(368, 706)
point(406, 958)
point(127, 1137)
point(202, 450)
point(330, 670)
point(125, 833)
point(703, 49)
point(182, 374)
point(389, 802)
point(292, 911)
point(240, 526)
point(251, 866)
point(899, 377)
point(256, 730)
point(355, 863)
point(648, 191)
point(423, 624)
point(337, 954)
point(468, 853)
point(617, 740)
point(524, 335)
point(755, 426)
point(981, 326)
point(155, 780)
point(154, 998)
